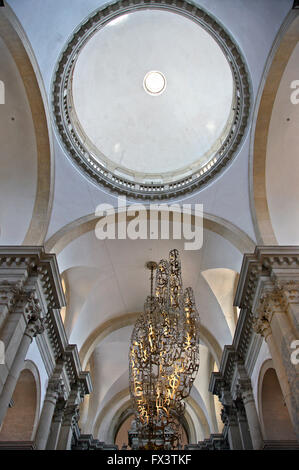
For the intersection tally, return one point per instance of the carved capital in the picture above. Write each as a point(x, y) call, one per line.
point(36, 324)
point(59, 410)
point(261, 326)
point(35, 327)
point(11, 293)
point(239, 407)
point(229, 414)
point(290, 291)
point(56, 388)
point(245, 390)
point(71, 415)
point(272, 302)
point(32, 309)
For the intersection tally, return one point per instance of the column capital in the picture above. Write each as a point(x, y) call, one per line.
point(71, 415)
point(55, 388)
point(59, 410)
point(245, 388)
point(261, 326)
point(239, 407)
point(272, 301)
point(12, 293)
point(290, 290)
point(229, 415)
point(36, 324)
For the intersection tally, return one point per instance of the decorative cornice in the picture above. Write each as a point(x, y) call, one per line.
point(75, 145)
point(38, 269)
point(34, 261)
point(268, 282)
point(264, 262)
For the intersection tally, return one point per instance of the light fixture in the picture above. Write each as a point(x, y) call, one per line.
point(154, 82)
point(163, 358)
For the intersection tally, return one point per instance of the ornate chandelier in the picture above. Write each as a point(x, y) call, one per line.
point(163, 358)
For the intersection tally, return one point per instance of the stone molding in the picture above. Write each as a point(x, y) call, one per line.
point(269, 281)
point(31, 276)
point(268, 284)
point(274, 264)
point(56, 388)
point(26, 261)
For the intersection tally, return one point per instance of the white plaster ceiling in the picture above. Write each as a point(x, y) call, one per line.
point(108, 278)
point(18, 156)
point(131, 130)
point(282, 162)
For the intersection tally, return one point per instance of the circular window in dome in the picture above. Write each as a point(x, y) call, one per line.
point(151, 100)
point(154, 83)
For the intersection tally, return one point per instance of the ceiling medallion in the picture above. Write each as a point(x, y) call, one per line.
point(163, 184)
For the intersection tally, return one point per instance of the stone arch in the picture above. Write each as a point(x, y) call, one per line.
point(127, 415)
point(129, 319)
point(282, 49)
point(275, 420)
point(23, 56)
point(121, 402)
point(239, 239)
point(22, 416)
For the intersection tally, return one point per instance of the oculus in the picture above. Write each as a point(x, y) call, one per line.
point(154, 83)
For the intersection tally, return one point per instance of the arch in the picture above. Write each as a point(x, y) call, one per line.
point(129, 319)
point(239, 239)
point(124, 424)
point(20, 49)
point(275, 419)
point(282, 49)
point(21, 420)
point(121, 402)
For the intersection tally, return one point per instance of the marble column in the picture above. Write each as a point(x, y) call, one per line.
point(243, 424)
point(54, 390)
point(13, 302)
point(251, 414)
point(56, 425)
point(229, 417)
point(71, 415)
point(9, 293)
point(34, 327)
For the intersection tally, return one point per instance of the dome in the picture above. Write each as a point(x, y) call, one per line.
point(150, 100)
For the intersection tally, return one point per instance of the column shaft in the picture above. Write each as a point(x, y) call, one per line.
point(55, 426)
point(253, 421)
point(13, 375)
point(65, 437)
point(45, 420)
point(234, 437)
